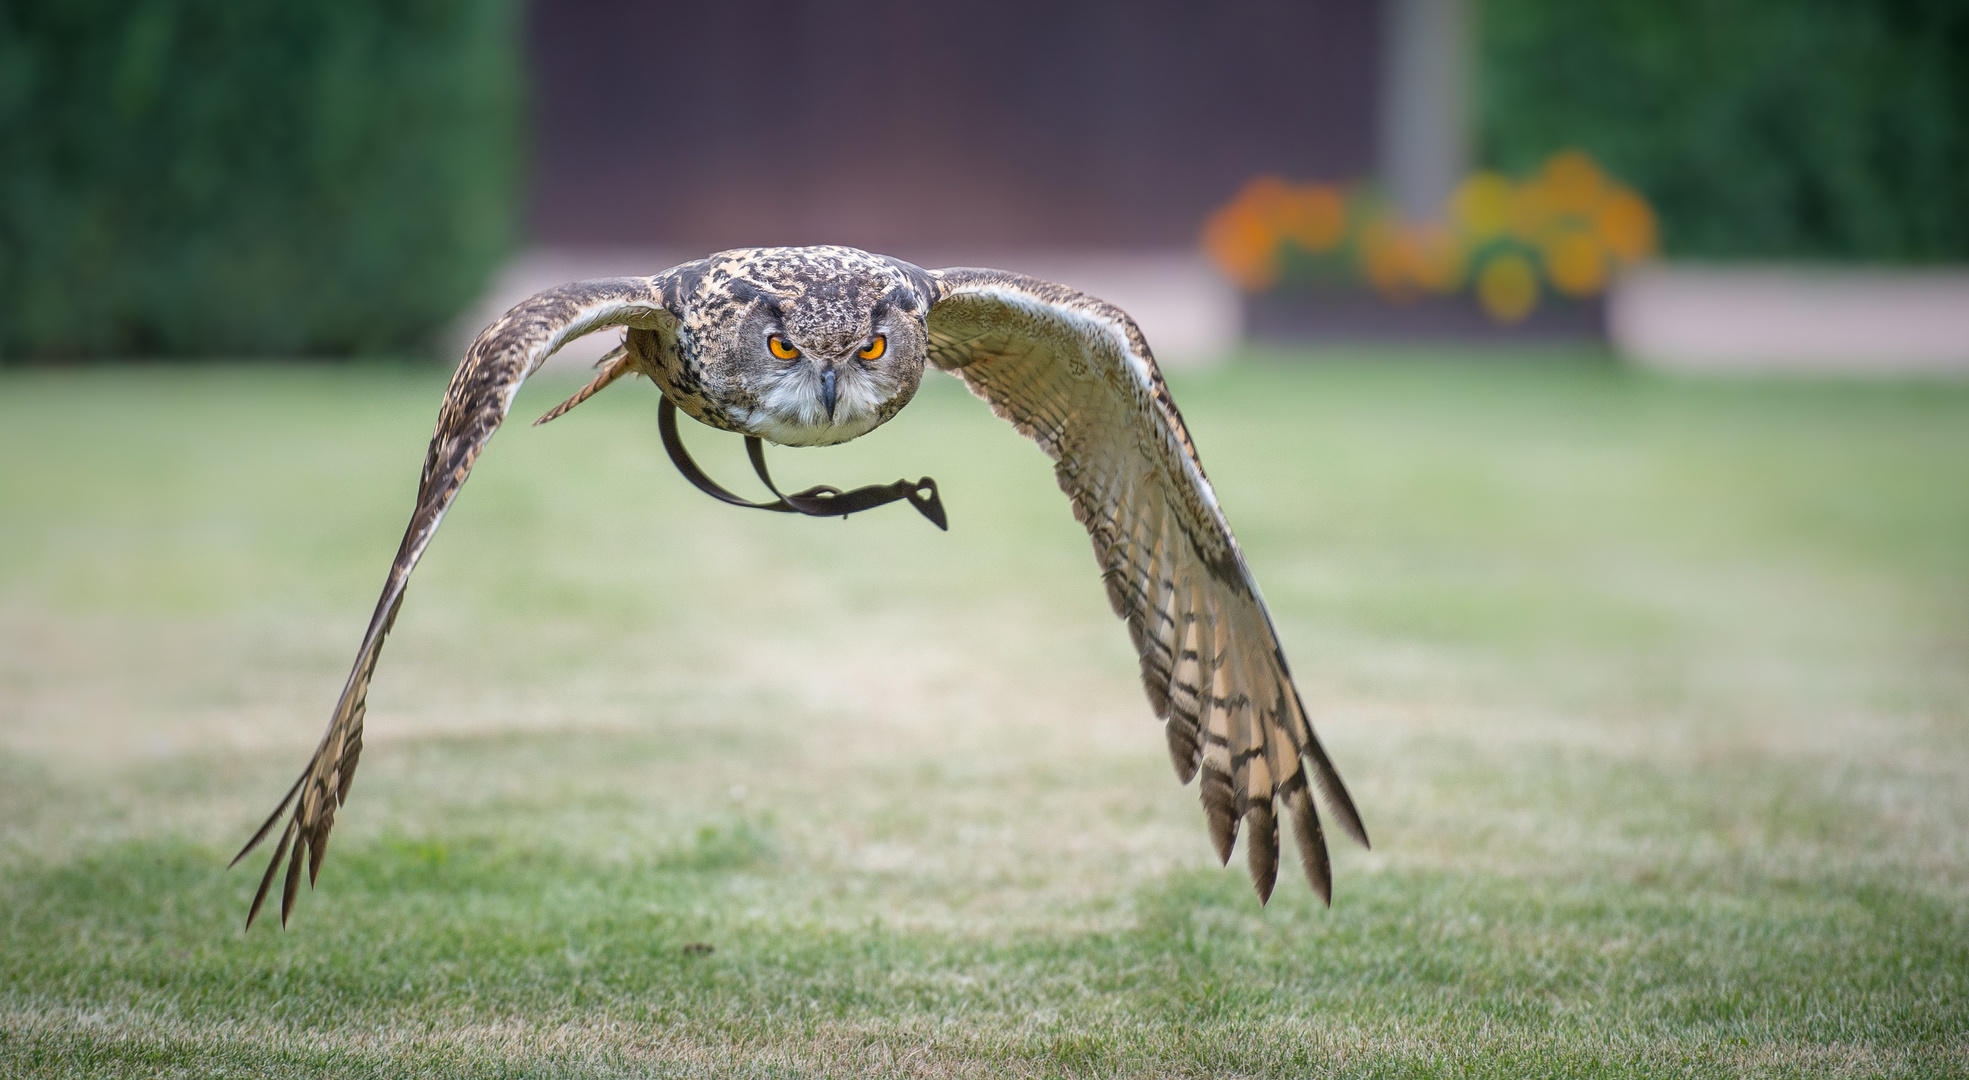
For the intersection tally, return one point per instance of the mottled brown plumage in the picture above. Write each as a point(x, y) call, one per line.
point(1069, 371)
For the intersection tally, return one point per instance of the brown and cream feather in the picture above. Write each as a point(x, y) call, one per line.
point(476, 402)
point(1075, 375)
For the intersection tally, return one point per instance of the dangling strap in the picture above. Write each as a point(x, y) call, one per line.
point(817, 501)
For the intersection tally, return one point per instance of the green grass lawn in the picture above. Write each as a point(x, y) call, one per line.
point(1654, 695)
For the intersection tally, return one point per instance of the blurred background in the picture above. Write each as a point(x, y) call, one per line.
point(1761, 183)
point(1583, 381)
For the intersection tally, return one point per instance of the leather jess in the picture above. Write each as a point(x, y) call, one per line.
point(821, 500)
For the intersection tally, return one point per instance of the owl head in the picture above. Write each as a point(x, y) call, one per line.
point(807, 346)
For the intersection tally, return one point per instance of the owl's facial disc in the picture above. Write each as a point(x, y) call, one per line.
point(819, 382)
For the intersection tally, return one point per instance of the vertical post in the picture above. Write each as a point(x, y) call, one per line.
point(1426, 101)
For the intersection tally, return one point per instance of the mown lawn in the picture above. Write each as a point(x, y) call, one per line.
point(1654, 695)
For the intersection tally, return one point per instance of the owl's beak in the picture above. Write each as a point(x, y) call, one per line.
point(827, 391)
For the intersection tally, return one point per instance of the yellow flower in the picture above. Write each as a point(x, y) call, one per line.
point(1482, 205)
point(1531, 212)
point(1383, 261)
point(1626, 225)
point(1575, 262)
point(1573, 184)
point(1434, 257)
point(1242, 244)
point(1507, 288)
point(1313, 216)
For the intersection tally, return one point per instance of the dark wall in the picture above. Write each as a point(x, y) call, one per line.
point(900, 123)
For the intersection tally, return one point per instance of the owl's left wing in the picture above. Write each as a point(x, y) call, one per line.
point(476, 402)
point(1074, 374)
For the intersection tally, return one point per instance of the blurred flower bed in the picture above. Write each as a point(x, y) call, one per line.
point(1567, 229)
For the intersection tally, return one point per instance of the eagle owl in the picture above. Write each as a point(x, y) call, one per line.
point(815, 346)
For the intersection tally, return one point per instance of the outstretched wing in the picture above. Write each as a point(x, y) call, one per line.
point(480, 394)
point(1074, 374)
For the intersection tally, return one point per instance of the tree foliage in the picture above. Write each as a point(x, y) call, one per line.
point(1758, 128)
point(213, 177)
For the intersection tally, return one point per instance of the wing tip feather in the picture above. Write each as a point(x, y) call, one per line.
point(1183, 748)
point(475, 404)
point(290, 887)
point(1261, 850)
point(266, 879)
point(1338, 800)
point(1220, 806)
point(1311, 839)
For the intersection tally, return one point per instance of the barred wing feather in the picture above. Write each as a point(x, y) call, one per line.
point(1074, 374)
point(476, 402)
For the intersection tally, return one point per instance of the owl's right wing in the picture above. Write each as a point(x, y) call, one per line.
point(1074, 374)
point(480, 394)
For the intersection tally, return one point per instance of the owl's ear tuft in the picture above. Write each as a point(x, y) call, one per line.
point(900, 298)
point(922, 290)
point(680, 282)
point(745, 292)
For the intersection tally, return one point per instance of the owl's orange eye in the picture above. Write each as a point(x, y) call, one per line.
point(782, 348)
point(875, 348)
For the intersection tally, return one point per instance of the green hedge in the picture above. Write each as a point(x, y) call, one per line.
point(251, 177)
point(1759, 128)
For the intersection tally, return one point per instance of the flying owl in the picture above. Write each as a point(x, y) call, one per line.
point(815, 346)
